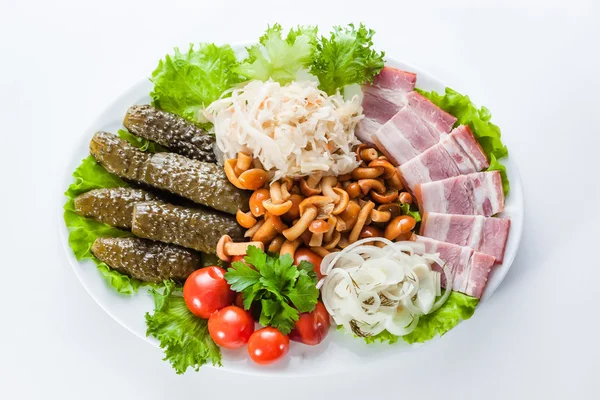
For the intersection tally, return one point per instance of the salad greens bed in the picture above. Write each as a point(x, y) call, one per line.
point(185, 83)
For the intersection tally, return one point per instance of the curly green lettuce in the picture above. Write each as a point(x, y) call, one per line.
point(183, 336)
point(346, 57)
point(278, 58)
point(185, 83)
point(83, 231)
point(458, 307)
point(478, 120)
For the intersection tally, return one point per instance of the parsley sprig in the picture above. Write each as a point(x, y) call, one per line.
point(282, 289)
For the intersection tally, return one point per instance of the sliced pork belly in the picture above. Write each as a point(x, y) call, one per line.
point(383, 98)
point(456, 154)
point(470, 268)
point(416, 127)
point(487, 235)
point(473, 194)
point(429, 112)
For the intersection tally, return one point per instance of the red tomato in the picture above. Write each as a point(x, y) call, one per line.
point(312, 327)
point(231, 327)
point(311, 257)
point(268, 345)
point(239, 300)
point(237, 258)
point(206, 291)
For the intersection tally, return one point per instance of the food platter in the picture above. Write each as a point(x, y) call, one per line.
point(338, 352)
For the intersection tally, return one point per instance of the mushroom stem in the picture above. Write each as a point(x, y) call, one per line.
point(364, 213)
point(316, 240)
point(327, 185)
point(289, 247)
point(293, 233)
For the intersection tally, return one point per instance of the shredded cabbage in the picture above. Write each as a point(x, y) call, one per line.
point(293, 130)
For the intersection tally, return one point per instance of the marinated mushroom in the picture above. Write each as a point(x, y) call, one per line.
point(294, 211)
point(307, 190)
point(350, 215)
point(229, 166)
point(389, 196)
point(388, 168)
point(250, 232)
point(405, 198)
point(256, 202)
point(227, 248)
point(343, 201)
point(367, 173)
point(363, 215)
point(353, 190)
point(399, 225)
point(290, 247)
point(243, 163)
point(317, 228)
point(394, 182)
point(320, 251)
point(392, 208)
point(380, 216)
point(276, 244)
point(246, 220)
point(333, 242)
point(277, 209)
point(366, 185)
point(327, 185)
point(275, 193)
point(266, 232)
point(294, 232)
point(370, 231)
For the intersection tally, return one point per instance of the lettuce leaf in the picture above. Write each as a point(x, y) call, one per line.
point(83, 231)
point(346, 57)
point(478, 120)
point(278, 58)
point(141, 143)
point(496, 166)
point(185, 83)
point(457, 308)
point(382, 337)
point(405, 209)
point(183, 336)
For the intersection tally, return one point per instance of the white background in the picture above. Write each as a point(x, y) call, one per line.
point(534, 64)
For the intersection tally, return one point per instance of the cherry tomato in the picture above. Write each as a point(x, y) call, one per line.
point(268, 345)
point(312, 327)
point(206, 291)
point(231, 327)
point(239, 300)
point(237, 258)
point(311, 257)
point(255, 308)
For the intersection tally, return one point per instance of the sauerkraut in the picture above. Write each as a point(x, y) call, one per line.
point(293, 130)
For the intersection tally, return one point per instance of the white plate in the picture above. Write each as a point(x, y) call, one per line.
point(338, 352)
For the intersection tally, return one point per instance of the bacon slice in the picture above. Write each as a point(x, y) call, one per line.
point(456, 154)
point(473, 194)
point(416, 127)
point(487, 235)
point(470, 268)
point(383, 98)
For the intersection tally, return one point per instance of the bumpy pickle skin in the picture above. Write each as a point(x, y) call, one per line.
point(171, 131)
point(112, 206)
point(197, 229)
point(146, 260)
point(203, 183)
